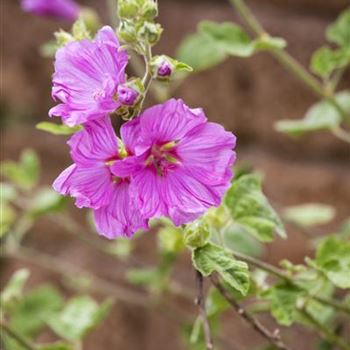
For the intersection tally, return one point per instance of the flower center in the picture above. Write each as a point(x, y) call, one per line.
point(163, 158)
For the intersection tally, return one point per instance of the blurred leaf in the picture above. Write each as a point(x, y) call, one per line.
point(121, 247)
point(144, 277)
point(79, 316)
point(13, 289)
point(7, 192)
point(283, 299)
point(210, 258)
point(310, 214)
point(29, 315)
point(7, 218)
point(48, 49)
point(215, 304)
point(57, 129)
point(333, 258)
point(228, 37)
point(24, 174)
point(321, 116)
point(196, 234)
point(170, 237)
point(251, 209)
point(46, 201)
point(267, 42)
point(325, 60)
point(200, 52)
point(339, 32)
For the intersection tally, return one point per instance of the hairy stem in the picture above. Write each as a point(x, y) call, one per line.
point(16, 336)
point(273, 338)
point(288, 61)
point(200, 301)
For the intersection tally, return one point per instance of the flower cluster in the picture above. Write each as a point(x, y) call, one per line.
point(169, 162)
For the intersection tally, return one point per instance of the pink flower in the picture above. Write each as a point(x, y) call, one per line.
point(86, 78)
point(179, 163)
point(63, 9)
point(92, 183)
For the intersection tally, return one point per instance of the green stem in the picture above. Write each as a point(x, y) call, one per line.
point(282, 275)
point(288, 61)
point(16, 336)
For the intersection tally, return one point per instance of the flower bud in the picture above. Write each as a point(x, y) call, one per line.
point(127, 95)
point(150, 10)
point(150, 32)
point(127, 32)
point(196, 234)
point(128, 9)
point(165, 69)
point(63, 38)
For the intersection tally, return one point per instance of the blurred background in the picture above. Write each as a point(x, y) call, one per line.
point(246, 96)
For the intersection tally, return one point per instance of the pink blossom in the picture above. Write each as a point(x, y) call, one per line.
point(63, 9)
point(92, 183)
point(179, 164)
point(86, 78)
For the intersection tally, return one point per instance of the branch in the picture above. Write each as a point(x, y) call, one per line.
point(200, 302)
point(273, 338)
point(16, 336)
point(288, 61)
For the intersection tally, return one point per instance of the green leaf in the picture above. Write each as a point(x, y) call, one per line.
point(57, 129)
point(78, 317)
point(13, 290)
point(339, 32)
point(251, 209)
point(196, 234)
point(228, 37)
point(55, 346)
point(210, 258)
point(200, 52)
point(46, 201)
point(24, 174)
point(144, 276)
point(283, 299)
point(325, 60)
point(308, 215)
point(7, 218)
point(29, 315)
point(267, 42)
point(170, 237)
point(333, 258)
point(321, 116)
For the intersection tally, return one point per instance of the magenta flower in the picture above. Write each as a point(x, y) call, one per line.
point(179, 163)
point(86, 78)
point(92, 183)
point(62, 9)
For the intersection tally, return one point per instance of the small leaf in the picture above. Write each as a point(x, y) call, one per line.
point(321, 116)
point(55, 346)
point(79, 316)
point(250, 208)
point(228, 37)
point(333, 258)
point(339, 32)
point(29, 315)
point(325, 60)
point(311, 214)
point(57, 129)
point(170, 237)
point(200, 52)
point(267, 42)
point(13, 290)
point(210, 258)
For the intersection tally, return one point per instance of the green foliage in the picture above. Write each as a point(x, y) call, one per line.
point(25, 173)
point(339, 32)
point(78, 317)
point(170, 238)
point(308, 215)
point(57, 129)
point(251, 209)
point(266, 42)
point(333, 259)
point(56, 346)
point(196, 234)
point(283, 301)
point(13, 290)
point(321, 116)
point(31, 313)
point(200, 52)
point(7, 213)
point(211, 258)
